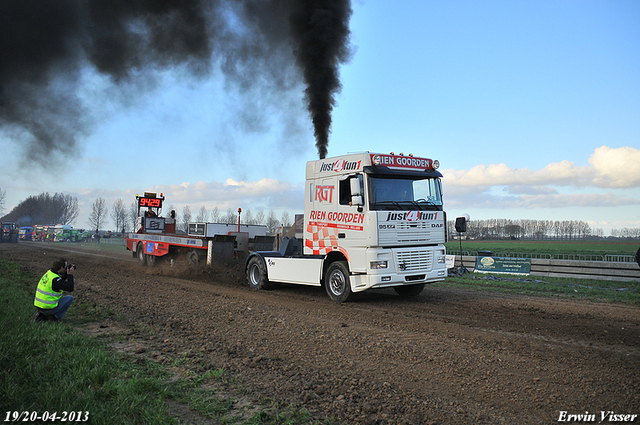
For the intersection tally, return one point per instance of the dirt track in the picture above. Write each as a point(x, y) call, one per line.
point(447, 356)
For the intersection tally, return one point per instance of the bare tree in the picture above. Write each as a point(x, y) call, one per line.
point(203, 215)
point(583, 229)
point(215, 215)
point(248, 217)
point(118, 214)
point(512, 229)
point(272, 222)
point(186, 218)
point(230, 217)
point(67, 206)
point(132, 217)
point(2, 197)
point(260, 217)
point(285, 219)
point(98, 214)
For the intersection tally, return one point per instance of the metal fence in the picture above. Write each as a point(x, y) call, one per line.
point(568, 268)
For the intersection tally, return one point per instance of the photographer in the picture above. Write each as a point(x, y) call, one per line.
point(50, 304)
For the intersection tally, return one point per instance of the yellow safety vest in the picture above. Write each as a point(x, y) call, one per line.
point(46, 297)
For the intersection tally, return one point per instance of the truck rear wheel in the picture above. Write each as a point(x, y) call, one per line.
point(410, 290)
point(151, 260)
point(337, 282)
point(257, 274)
point(193, 258)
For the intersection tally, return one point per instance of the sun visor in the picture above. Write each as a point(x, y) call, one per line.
point(386, 171)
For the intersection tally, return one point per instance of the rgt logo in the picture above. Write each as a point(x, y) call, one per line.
point(324, 193)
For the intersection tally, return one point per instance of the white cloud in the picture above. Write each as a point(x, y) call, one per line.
point(266, 193)
point(609, 168)
point(616, 168)
point(530, 190)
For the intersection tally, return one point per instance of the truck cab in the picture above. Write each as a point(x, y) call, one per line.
point(370, 221)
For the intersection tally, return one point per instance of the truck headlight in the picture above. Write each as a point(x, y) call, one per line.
point(384, 264)
point(442, 260)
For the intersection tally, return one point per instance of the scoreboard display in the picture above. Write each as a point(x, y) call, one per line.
point(149, 202)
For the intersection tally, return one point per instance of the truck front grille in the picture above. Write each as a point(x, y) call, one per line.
point(414, 260)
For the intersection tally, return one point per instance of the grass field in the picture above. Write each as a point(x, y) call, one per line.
point(51, 367)
point(584, 289)
point(588, 289)
point(546, 247)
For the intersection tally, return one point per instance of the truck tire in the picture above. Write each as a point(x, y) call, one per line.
point(410, 290)
point(337, 282)
point(257, 275)
point(193, 258)
point(140, 252)
point(151, 260)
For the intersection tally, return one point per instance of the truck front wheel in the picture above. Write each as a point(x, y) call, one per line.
point(257, 274)
point(140, 252)
point(337, 282)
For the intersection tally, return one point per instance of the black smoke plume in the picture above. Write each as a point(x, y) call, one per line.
point(321, 31)
point(46, 46)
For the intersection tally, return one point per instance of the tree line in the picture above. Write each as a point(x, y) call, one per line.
point(538, 230)
point(61, 208)
point(44, 209)
point(626, 233)
point(270, 220)
point(528, 229)
point(126, 218)
point(64, 209)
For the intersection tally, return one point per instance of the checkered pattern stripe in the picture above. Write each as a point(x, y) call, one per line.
point(323, 239)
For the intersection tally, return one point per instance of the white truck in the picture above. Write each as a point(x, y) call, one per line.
point(370, 221)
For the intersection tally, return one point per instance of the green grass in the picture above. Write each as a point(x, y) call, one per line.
point(51, 367)
point(589, 289)
point(112, 244)
point(586, 289)
point(548, 247)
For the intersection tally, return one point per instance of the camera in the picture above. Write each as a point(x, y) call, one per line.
point(71, 267)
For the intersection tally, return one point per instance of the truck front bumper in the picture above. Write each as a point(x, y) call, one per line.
point(401, 266)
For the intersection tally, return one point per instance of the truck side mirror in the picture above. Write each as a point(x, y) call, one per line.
point(355, 186)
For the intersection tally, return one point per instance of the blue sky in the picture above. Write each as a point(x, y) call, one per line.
point(532, 109)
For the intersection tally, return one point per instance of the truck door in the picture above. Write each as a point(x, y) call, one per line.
point(350, 217)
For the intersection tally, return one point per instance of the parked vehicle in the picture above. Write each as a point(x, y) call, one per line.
point(9, 232)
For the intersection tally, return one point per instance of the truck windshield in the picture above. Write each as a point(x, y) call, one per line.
point(393, 193)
